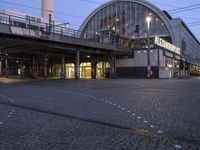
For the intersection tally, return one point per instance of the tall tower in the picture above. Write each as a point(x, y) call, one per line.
point(48, 9)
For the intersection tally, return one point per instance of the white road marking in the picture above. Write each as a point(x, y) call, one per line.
point(145, 121)
point(128, 111)
point(133, 114)
point(178, 146)
point(8, 98)
point(123, 109)
point(160, 132)
point(152, 126)
point(10, 113)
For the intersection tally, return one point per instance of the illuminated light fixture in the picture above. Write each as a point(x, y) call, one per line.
point(156, 19)
point(151, 51)
point(96, 33)
point(162, 24)
point(148, 19)
point(17, 61)
point(117, 20)
point(113, 28)
point(150, 14)
point(145, 51)
point(169, 65)
point(88, 56)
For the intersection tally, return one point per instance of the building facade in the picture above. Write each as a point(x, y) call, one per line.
point(124, 23)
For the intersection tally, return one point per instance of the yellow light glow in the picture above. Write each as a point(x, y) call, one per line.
point(148, 19)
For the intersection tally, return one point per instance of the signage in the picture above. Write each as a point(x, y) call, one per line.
point(25, 32)
point(162, 43)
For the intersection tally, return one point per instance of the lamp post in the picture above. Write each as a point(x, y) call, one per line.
point(148, 20)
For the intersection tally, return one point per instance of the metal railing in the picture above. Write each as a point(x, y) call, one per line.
point(45, 29)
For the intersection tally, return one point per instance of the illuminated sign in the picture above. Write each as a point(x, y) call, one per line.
point(162, 43)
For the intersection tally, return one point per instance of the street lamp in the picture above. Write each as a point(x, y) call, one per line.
point(148, 20)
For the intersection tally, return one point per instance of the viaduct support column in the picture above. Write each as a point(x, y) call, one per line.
point(6, 67)
point(63, 67)
point(22, 68)
point(113, 67)
point(77, 69)
point(45, 65)
point(0, 67)
point(34, 68)
point(93, 67)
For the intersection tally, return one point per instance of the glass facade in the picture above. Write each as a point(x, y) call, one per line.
point(123, 23)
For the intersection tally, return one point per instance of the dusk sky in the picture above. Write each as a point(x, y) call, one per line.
point(75, 11)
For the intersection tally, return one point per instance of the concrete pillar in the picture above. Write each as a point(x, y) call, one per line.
point(22, 69)
point(77, 69)
point(33, 68)
point(63, 67)
point(45, 65)
point(113, 67)
point(6, 67)
point(158, 62)
point(94, 70)
point(51, 68)
point(0, 67)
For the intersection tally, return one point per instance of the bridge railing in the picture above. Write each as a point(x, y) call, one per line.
point(39, 29)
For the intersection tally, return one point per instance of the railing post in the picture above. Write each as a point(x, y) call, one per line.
point(29, 26)
point(9, 20)
point(61, 33)
point(74, 33)
point(47, 30)
point(53, 28)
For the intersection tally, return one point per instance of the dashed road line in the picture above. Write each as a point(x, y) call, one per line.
point(133, 114)
point(160, 132)
point(8, 98)
point(178, 146)
point(152, 126)
point(108, 101)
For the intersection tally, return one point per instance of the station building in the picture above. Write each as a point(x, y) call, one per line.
point(158, 45)
point(164, 43)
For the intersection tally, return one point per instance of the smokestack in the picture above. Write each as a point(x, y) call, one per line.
point(48, 9)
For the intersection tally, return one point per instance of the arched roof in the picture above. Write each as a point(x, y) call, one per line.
point(148, 5)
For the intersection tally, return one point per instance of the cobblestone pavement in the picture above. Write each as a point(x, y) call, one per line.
point(121, 114)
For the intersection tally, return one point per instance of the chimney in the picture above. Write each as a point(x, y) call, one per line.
point(48, 9)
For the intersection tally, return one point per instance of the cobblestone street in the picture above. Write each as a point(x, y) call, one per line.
point(121, 114)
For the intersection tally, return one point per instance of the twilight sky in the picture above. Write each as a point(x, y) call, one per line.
point(75, 11)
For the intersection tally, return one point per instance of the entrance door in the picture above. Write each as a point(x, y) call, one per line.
point(70, 71)
point(85, 70)
point(169, 67)
point(103, 69)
